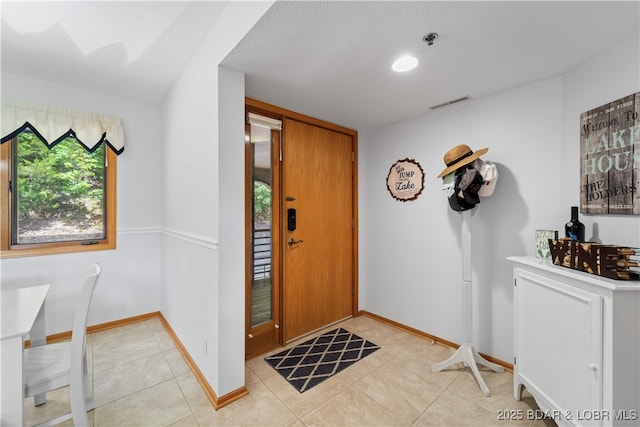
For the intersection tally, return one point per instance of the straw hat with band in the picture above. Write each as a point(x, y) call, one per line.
point(459, 156)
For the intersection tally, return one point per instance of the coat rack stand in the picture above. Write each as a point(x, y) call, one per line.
point(466, 354)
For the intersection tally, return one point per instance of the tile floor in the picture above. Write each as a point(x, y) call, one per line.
point(141, 379)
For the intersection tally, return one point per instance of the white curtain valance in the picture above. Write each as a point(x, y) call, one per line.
point(53, 124)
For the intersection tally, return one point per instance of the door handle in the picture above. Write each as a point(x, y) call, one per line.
point(292, 242)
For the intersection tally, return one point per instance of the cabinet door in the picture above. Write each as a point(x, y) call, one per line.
point(559, 342)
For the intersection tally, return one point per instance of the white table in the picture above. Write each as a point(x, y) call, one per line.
point(22, 314)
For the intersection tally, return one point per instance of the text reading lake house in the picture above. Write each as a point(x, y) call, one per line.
point(610, 158)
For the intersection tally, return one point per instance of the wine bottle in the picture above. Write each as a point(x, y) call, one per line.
point(574, 229)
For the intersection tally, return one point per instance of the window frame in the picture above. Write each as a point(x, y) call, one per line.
point(8, 250)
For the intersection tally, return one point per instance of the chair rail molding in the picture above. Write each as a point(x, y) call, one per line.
point(205, 242)
point(139, 230)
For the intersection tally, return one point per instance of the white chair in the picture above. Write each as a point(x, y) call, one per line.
point(53, 366)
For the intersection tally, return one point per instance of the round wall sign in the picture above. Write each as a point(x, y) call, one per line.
point(405, 180)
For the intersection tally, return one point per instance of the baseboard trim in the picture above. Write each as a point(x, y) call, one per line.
point(64, 336)
point(216, 402)
point(507, 366)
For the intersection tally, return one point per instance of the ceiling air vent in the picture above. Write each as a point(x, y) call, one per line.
point(455, 101)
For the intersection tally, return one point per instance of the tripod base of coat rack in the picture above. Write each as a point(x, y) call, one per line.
point(470, 358)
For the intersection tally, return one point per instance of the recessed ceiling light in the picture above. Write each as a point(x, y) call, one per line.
point(405, 63)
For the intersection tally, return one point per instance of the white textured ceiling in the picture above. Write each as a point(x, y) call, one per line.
point(133, 48)
point(330, 59)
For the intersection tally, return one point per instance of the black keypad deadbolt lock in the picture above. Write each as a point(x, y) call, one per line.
point(291, 219)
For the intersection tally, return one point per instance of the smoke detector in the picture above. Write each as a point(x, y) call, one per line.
point(430, 38)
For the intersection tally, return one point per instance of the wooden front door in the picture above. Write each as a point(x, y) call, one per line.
point(319, 227)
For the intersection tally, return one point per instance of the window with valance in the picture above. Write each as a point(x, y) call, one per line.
point(58, 179)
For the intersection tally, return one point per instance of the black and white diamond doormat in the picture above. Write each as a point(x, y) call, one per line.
point(315, 360)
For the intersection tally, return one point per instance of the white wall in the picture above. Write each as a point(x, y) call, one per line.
point(131, 281)
point(204, 206)
point(410, 256)
point(232, 237)
point(411, 259)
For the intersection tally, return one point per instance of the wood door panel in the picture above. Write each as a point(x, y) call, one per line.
point(318, 272)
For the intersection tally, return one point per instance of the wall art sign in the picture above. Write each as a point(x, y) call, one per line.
point(610, 158)
point(542, 242)
point(405, 180)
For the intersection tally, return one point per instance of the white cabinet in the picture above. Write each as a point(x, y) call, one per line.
point(577, 343)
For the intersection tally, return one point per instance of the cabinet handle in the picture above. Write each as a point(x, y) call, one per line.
point(592, 366)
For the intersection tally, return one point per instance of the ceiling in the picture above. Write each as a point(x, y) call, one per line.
point(132, 48)
point(329, 59)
